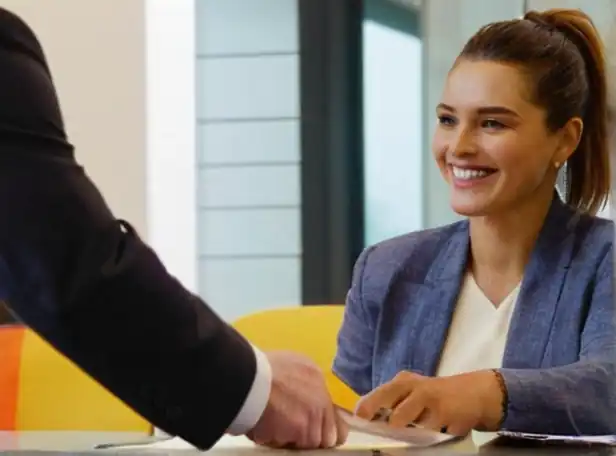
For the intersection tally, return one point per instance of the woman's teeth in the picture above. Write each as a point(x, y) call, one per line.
point(467, 174)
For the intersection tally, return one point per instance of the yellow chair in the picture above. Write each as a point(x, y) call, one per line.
point(51, 393)
point(309, 330)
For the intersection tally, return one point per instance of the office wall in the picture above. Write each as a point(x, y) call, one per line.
point(602, 12)
point(124, 71)
point(97, 59)
point(249, 154)
point(127, 73)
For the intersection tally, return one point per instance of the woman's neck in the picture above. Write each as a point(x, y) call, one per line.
point(502, 243)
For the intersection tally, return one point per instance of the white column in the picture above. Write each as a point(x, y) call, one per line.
point(171, 161)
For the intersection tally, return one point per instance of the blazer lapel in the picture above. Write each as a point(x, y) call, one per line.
point(541, 288)
point(437, 298)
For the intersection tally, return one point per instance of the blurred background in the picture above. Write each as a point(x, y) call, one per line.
point(260, 145)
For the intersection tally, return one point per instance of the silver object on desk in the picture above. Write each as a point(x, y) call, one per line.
point(148, 441)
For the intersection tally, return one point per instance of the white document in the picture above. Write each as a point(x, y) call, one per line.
point(363, 435)
point(415, 436)
point(354, 442)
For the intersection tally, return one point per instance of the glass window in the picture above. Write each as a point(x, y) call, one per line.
point(393, 131)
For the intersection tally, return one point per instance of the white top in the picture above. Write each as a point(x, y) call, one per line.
point(477, 335)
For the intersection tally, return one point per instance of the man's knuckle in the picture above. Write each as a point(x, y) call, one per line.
point(313, 414)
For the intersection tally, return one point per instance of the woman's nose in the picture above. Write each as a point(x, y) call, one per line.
point(463, 142)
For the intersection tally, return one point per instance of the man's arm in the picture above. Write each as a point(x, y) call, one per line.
point(91, 287)
point(257, 398)
point(5, 314)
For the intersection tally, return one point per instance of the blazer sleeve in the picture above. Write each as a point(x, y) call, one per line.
point(91, 287)
point(579, 398)
point(353, 360)
point(5, 315)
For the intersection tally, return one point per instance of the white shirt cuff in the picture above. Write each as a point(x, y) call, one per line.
point(257, 398)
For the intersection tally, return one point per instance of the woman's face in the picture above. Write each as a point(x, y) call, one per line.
point(491, 142)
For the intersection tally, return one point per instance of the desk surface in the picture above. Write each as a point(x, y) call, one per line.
point(33, 443)
point(62, 441)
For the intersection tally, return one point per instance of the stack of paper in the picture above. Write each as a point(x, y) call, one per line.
point(410, 436)
point(354, 442)
point(363, 435)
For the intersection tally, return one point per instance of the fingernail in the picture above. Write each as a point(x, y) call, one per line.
point(332, 438)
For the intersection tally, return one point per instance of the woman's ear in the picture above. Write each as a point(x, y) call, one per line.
point(570, 137)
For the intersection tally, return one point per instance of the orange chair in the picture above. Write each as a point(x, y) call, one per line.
point(11, 339)
point(40, 389)
point(309, 330)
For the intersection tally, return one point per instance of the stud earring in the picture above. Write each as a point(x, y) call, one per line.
point(556, 165)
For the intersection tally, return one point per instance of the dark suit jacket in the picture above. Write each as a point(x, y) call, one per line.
point(5, 315)
point(88, 284)
point(560, 358)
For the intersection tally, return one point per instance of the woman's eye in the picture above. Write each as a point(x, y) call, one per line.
point(446, 120)
point(491, 123)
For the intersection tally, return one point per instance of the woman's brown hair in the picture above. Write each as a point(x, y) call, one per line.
point(564, 57)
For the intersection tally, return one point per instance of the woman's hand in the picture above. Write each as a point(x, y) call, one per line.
point(458, 403)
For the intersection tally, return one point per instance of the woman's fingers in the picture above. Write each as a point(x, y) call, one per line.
point(386, 396)
point(410, 410)
point(431, 420)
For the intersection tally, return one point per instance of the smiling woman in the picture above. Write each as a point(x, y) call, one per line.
point(528, 108)
point(504, 319)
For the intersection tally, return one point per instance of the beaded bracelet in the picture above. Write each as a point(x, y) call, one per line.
point(505, 395)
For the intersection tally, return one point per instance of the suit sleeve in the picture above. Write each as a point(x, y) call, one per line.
point(5, 314)
point(90, 286)
point(579, 398)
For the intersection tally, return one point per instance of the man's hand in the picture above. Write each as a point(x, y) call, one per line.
point(300, 412)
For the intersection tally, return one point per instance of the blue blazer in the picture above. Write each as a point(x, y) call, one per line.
point(560, 358)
